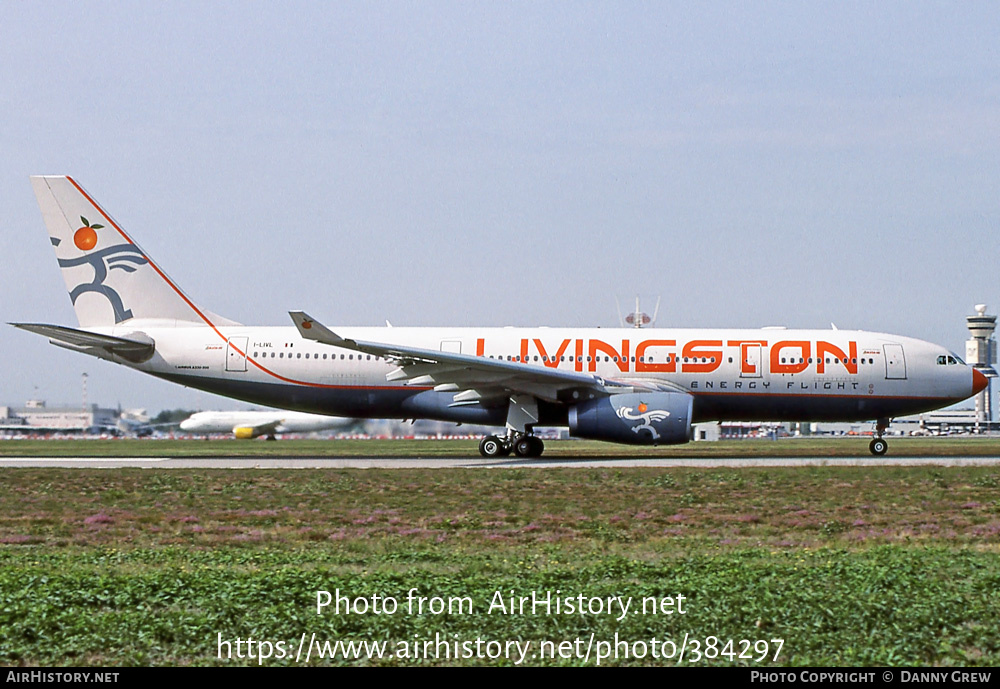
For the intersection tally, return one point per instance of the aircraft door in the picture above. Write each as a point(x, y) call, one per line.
point(895, 363)
point(236, 354)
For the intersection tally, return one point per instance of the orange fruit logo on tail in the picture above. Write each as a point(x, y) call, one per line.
point(642, 407)
point(86, 238)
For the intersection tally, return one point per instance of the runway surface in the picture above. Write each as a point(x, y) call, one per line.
point(476, 462)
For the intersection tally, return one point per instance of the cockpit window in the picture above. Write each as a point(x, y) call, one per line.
point(950, 360)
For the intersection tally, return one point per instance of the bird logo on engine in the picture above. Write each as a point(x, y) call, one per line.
point(646, 415)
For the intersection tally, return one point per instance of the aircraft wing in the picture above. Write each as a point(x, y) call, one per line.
point(473, 379)
point(138, 349)
point(243, 430)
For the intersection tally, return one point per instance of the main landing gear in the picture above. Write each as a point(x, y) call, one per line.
point(521, 444)
point(522, 415)
point(878, 446)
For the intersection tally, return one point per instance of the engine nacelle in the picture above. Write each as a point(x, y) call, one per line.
point(658, 418)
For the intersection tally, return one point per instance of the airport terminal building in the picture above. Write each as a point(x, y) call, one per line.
point(36, 417)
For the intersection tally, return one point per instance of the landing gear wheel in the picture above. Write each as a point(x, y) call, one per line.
point(492, 446)
point(878, 447)
point(529, 446)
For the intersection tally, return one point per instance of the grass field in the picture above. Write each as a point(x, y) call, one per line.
point(846, 566)
point(786, 447)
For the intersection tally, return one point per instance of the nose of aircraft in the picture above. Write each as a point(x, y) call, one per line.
point(979, 382)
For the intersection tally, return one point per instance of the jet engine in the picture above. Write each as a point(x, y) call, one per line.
point(657, 418)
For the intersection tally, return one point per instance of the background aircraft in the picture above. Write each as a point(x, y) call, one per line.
point(251, 424)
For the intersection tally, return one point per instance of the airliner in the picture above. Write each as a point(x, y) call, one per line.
point(635, 386)
point(253, 424)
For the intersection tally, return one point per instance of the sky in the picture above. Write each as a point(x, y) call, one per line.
point(506, 163)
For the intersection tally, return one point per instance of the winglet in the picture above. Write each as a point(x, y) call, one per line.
point(311, 329)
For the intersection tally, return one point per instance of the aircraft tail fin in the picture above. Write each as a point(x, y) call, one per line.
point(109, 277)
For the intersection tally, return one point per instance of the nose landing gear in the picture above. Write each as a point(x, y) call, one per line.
point(878, 446)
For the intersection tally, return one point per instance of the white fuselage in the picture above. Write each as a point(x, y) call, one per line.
point(769, 374)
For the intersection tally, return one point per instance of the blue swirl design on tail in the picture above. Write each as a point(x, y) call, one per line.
point(121, 257)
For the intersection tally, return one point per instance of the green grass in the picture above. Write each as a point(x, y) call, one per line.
point(849, 566)
point(786, 447)
point(890, 605)
point(780, 507)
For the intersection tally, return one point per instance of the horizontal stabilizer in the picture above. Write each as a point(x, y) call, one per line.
point(137, 348)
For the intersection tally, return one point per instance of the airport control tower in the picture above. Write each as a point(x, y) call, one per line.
point(637, 318)
point(981, 353)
